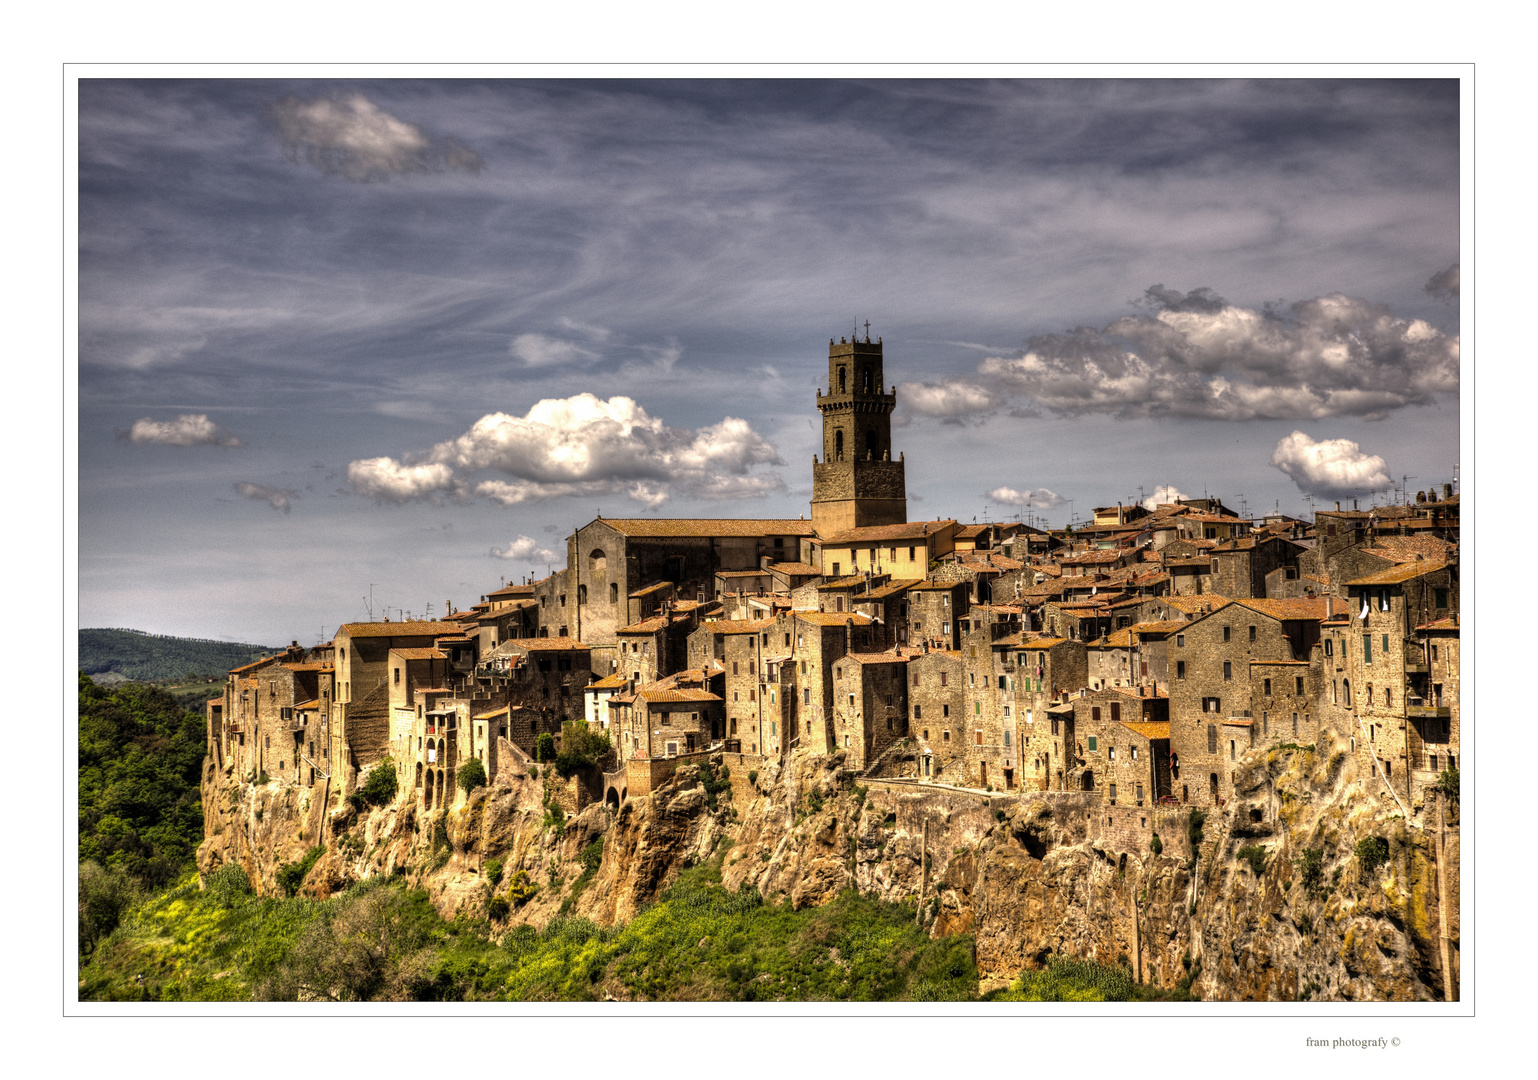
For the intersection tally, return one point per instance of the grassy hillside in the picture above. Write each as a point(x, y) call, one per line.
point(135, 656)
point(383, 941)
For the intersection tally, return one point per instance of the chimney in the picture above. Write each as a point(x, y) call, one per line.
point(1329, 607)
point(1420, 496)
point(1353, 504)
point(1447, 491)
point(1337, 505)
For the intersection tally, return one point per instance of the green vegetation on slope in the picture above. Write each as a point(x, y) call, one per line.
point(1067, 978)
point(383, 941)
point(141, 657)
point(141, 813)
point(140, 760)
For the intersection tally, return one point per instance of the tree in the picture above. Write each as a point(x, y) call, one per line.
point(472, 774)
point(544, 747)
point(380, 786)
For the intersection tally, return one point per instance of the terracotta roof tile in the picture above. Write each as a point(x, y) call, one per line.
point(416, 628)
point(710, 526)
point(913, 530)
point(1149, 729)
point(1398, 575)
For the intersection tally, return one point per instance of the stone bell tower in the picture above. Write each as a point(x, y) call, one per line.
point(856, 482)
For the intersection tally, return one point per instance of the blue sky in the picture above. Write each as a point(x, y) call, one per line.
point(408, 334)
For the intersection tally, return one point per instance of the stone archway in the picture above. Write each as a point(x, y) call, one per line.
point(611, 797)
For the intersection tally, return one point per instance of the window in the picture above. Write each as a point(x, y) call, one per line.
point(1115, 712)
point(1385, 644)
point(1228, 671)
point(945, 710)
point(1006, 738)
point(835, 569)
point(807, 696)
point(1294, 723)
point(1366, 648)
point(1212, 739)
point(1134, 753)
point(734, 667)
point(1252, 633)
point(1233, 750)
point(1265, 687)
point(1180, 669)
point(918, 712)
point(1226, 631)
point(1328, 649)
point(1092, 741)
point(397, 677)
point(1094, 713)
point(1441, 599)
point(911, 551)
point(1297, 685)
point(977, 737)
point(943, 678)
point(1180, 641)
point(947, 734)
point(1112, 792)
point(971, 678)
point(1110, 751)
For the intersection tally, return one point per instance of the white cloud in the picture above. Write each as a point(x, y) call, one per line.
point(1200, 356)
point(387, 479)
point(1040, 499)
point(525, 549)
point(1331, 467)
point(1164, 493)
point(277, 498)
point(540, 350)
point(584, 445)
point(188, 429)
point(948, 399)
point(353, 137)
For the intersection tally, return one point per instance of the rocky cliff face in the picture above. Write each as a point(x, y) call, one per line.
point(1028, 877)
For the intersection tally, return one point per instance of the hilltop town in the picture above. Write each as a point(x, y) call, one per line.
point(1138, 658)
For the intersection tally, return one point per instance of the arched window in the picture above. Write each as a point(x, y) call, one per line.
point(838, 446)
point(840, 380)
point(865, 379)
point(1345, 687)
point(613, 593)
point(872, 447)
point(581, 594)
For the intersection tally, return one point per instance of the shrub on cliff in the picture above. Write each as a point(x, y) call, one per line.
point(291, 875)
point(1447, 783)
point(1371, 852)
point(379, 788)
point(472, 774)
point(580, 747)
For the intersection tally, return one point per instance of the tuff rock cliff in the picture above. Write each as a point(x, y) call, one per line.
point(1028, 877)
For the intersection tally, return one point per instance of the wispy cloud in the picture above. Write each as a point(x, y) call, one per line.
point(188, 429)
point(277, 498)
point(1329, 467)
point(350, 136)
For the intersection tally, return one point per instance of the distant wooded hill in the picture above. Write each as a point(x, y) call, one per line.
point(133, 656)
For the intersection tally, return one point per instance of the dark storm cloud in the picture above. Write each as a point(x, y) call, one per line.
point(1444, 284)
